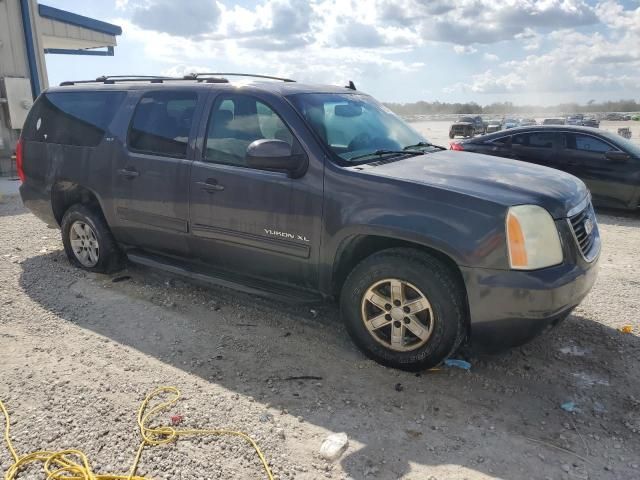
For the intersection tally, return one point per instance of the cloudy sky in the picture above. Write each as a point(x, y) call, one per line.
point(524, 51)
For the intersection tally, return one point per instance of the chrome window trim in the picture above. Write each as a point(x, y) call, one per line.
point(588, 134)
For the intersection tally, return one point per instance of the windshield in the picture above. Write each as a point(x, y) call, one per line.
point(355, 125)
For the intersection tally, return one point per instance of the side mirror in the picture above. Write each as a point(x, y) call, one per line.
point(616, 156)
point(267, 154)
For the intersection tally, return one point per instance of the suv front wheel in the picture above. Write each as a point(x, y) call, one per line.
point(88, 242)
point(404, 308)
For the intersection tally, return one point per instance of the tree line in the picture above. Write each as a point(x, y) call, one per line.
point(431, 108)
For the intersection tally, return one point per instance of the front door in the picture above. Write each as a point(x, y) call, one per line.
point(247, 221)
point(151, 173)
point(611, 182)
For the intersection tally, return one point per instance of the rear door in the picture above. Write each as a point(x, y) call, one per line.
point(151, 172)
point(535, 147)
point(612, 183)
point(247, 221)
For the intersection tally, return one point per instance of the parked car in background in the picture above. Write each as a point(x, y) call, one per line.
point(467, 127)
point(308, 192)
point(526, 122)
point(510, 123)
point(494, 126)
point(574, 119)
point(590, 122)
point(462, 129)
point(553, 121)
point(606, 162)
point(615, 117)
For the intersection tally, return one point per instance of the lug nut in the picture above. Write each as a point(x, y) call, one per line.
point(387, 317)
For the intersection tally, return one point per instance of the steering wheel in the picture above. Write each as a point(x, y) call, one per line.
point(359, 142)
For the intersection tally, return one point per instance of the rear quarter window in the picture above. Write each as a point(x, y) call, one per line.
point(72, 118)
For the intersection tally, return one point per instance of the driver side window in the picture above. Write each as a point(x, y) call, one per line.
point(237, 121)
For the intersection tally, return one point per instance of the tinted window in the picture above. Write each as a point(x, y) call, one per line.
point(161, 123)
point(588, 144)
point(235, 123)
point(520, 139)
point(72, 118)
point(541, 140)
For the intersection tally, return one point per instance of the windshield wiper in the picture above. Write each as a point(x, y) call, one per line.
point(424, 144)
point(379, 153)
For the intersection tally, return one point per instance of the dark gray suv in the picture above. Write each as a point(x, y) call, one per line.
point(310, 192)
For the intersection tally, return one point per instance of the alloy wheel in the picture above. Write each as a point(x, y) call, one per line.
point(397, 315)
point(84, 243)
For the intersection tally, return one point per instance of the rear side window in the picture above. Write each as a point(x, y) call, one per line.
point(541, 140)
point(161, 123)
point(72, 118)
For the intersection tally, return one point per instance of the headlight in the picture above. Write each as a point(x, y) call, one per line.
point(532, 238)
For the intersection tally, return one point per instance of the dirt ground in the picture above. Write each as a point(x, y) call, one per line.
point(79, 351)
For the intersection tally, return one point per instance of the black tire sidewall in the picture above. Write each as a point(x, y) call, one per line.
point(434, 280)
point(108, 256)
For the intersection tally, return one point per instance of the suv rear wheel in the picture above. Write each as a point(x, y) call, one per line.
point(404, 309)
point(88, 242)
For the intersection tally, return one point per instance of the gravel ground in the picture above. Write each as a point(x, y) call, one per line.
point(79, 351)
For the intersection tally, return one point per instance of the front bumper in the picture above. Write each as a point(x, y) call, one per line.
point(508, 308)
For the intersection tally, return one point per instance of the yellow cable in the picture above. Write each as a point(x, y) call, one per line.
point(74, 465)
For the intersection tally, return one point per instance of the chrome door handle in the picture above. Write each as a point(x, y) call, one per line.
point(128, 173)
point(210, 186)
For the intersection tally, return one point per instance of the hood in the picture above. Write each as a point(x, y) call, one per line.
point(503, 181)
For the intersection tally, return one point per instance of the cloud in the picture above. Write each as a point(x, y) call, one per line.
point(514, 46)
point(486, 22)
point(464, 49)
point(185, 19)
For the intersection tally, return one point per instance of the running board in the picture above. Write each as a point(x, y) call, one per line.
point(251, 286)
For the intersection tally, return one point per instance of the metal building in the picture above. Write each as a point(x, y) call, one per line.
point(28, 31)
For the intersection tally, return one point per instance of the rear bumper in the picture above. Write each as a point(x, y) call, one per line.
point(508, 308)
point(39, 203)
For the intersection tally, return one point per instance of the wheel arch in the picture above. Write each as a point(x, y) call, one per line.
point(355, 248)
point(64, 194)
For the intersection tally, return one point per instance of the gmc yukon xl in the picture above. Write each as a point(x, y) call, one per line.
point(310, 192)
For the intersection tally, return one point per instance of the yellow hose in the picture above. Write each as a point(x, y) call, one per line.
point(74, 465)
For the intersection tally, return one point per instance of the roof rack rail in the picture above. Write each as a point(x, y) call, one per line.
point(111, 79)
point(199, 77)
point(194, 76)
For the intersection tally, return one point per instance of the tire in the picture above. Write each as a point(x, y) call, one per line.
point(82, 225)
point(419, 273)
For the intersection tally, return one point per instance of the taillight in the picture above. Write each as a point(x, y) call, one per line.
point(19, 158)
point(456, 146)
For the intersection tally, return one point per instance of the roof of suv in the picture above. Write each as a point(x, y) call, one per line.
point(278, 87)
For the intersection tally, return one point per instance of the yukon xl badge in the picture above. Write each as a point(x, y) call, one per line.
point(285, 235)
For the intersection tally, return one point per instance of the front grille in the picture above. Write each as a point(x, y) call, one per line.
point(585, 232)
